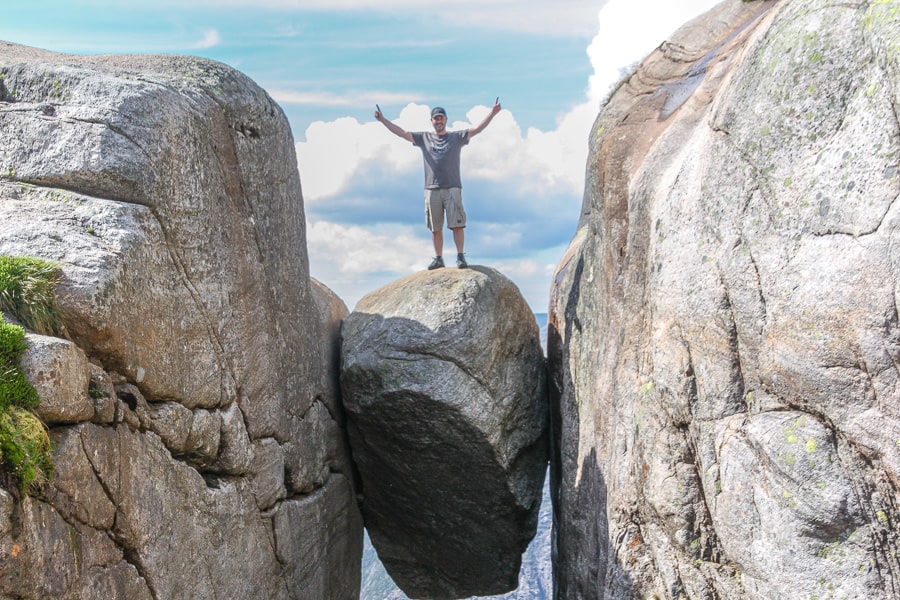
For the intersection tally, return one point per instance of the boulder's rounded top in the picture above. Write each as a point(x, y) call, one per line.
point(442, 297)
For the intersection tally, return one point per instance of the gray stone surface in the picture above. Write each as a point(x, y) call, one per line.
point(443, 381)
point(167, 189)
point(535, 574)
point(724, 333)
point(61, 375)
point(304, 527)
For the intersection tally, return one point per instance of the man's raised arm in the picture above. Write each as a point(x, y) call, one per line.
point(480, 127)
point(395, 129)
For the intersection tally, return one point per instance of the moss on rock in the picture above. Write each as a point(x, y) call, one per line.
point(27, 292)
point(24, 442)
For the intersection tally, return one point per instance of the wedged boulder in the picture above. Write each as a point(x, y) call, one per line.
point(724, 338)
point(443, 381)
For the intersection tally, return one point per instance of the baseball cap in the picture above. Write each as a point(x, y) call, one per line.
point(437, 110)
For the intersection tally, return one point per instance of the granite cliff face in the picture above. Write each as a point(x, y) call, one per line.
point(195, 409)
point(724, 335)
point(724, 341)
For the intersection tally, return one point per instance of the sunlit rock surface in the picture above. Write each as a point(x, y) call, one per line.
point(200, 451)
point(724, 335)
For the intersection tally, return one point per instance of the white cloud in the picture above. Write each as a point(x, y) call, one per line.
point(539, 177)
point(353, 250)
point(367, 99)
point(335, 151)
point(354, 261)
point(539, 160)
point(559, 18)
point(536, 176)
point(532, 276)
point(629, 31)
point(210, 39)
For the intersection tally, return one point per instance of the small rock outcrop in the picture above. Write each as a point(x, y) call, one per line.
point(200, 448)
point(724, 334)
point(444, 385)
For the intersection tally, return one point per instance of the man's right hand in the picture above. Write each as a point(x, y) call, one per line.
point(396, 130)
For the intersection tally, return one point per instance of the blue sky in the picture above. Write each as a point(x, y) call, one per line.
point(327, 62)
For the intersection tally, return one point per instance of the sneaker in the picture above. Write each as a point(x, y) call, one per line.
point(461, 261)
point(437, 263)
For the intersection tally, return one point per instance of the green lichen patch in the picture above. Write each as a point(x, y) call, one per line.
point(811, 445)
point(27, 292)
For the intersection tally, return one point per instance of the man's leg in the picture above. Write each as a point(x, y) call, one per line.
point(459, 238)
point(437, 238)
point(456, 221)
point(434, 219)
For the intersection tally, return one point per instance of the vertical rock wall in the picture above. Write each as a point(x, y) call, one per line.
point(725, 338)
point(206, 450)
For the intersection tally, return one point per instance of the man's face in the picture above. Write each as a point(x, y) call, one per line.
point(439, 122)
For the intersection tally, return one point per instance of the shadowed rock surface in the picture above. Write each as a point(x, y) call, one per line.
point(724, 335)
point(535, 574)
point(200, 449)
point(443, 380)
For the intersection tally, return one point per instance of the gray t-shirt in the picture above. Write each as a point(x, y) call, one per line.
point(441, 154)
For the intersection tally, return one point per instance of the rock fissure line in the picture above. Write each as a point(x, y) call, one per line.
point(314, 491)
point(51, 185)
point(103, 485)
point(693, 394)
point(74, 522)
point(129, 554)
point(876, 229)
point(865, 488)
point(115, 129)
point(893, 322)
point(7, 106)
point(417, 355)
point(133, 558)
point(704, 528)
point(318, 400)
point(121, 131)
point(884, 216)
point(71, 518)
point(225, 364)
point(734, 343)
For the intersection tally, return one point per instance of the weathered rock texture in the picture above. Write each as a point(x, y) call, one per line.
point(200, 449)
point(443, 380)
point(725, 337)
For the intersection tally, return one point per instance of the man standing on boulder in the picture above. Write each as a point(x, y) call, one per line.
point(443, 186)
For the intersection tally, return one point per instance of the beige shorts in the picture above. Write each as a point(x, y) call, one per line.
point(444, 200)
